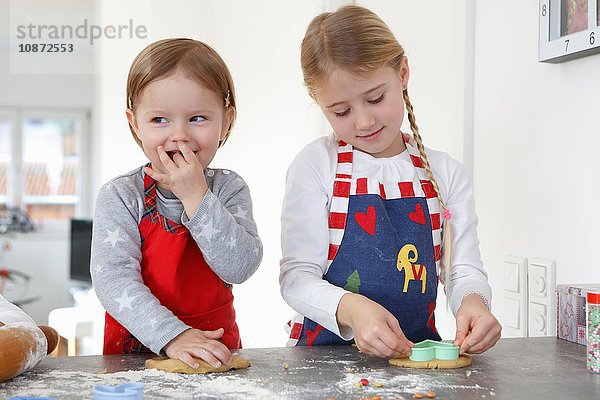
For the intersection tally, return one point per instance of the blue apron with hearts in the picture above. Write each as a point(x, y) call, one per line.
point(384, 244)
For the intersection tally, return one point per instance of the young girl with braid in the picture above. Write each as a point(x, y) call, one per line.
point(371, 218)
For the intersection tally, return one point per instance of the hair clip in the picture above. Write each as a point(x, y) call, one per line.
point(447, 215)
point(227, 99)
point(130, 103)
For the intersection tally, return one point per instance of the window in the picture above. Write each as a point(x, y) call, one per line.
point(41, 161)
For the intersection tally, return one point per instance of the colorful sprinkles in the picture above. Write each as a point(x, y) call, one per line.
point(429, 395)
point(593, 332)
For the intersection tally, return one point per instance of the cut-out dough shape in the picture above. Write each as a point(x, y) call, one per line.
point(462, 361)
point(170, 365)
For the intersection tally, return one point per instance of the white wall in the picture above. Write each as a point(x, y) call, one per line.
point(536, 142)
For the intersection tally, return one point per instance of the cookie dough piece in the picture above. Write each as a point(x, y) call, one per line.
point(462, 361)
point(171, 365)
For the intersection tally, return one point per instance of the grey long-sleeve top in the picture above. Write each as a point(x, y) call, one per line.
point(223, 228)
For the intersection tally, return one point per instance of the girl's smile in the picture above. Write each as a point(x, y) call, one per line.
point(370, 136)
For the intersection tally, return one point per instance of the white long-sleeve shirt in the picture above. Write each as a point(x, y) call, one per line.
point(11, 314)
point(305, 231)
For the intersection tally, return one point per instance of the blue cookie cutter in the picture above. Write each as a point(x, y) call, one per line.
point(428, 350)
point(125, 391)
point(31, 398)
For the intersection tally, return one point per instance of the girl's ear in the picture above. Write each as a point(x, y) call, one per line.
point(404, 72)
point(228, 118)
point(132, 122)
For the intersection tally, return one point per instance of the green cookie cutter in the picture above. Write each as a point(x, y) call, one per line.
point(428, 350)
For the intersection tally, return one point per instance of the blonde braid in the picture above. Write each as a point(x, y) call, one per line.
point(446, 228)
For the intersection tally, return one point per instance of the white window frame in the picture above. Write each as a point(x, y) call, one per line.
point(12, 116)
point(17, 116)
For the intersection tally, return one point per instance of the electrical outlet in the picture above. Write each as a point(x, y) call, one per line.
point(541, 299)
point(514, 321)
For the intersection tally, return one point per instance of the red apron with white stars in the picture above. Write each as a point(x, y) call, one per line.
point(384, 243)
point(176, 273)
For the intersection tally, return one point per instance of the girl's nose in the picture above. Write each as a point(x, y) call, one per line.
point(364, 120)
point(179, 133)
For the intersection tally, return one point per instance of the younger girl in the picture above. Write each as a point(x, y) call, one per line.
point(172, 236)
point(365, 208)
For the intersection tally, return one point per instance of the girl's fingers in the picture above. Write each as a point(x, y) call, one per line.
point(483, 335)
point(367, 349)
point(206, 356)
point(395, 327)
point(392, 345)
point(495, 339)
point(469, 343)
point(219, 351)
point(459, 338)
point(216, 334)
point(188, 359)
point(179, 160)
point(164, 158)
point(379, 349)
point(476, 348)
point(387, 352)
point(222, 353)
point(157, 176)
point(396, 340)
point(150, 172)
point(474, 342)
point(486, 343)
point(187, 153)
point(482, 345)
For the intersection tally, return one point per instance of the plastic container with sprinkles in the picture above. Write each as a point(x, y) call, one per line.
point(593, 332)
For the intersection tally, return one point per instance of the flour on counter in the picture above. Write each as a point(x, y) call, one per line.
point(280, 383)
point(405, 383)
point(157, 385)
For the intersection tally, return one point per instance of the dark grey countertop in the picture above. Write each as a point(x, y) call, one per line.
point(537, 368)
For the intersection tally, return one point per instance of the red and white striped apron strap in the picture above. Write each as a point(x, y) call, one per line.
point(338, 210)
point(294, 328)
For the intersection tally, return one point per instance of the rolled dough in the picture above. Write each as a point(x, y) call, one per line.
point(171, 365)
point(462, 361)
